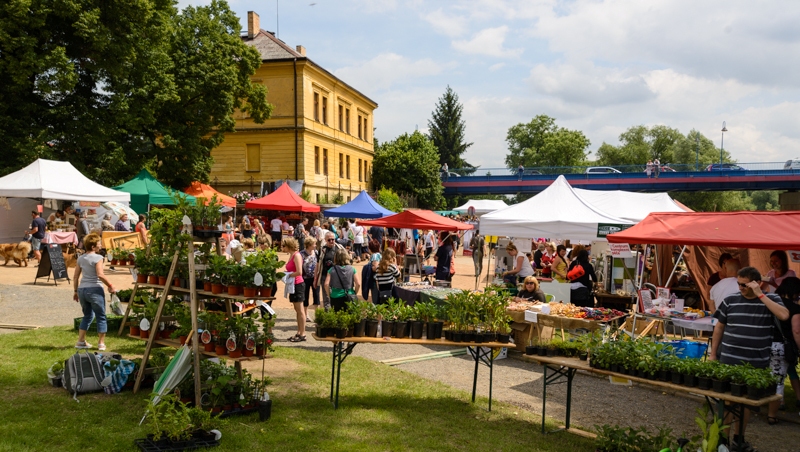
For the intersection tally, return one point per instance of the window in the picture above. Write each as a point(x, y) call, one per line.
point(325, 161)
point(341, 118)
point(347, 166)
point(341, 165)
point(317, 198)
point(316, 159)
point(316, 107)
point(347, 120)
point(253, 157)
point(359, 170)
point(348, 199)
point(325, 110)
point(365, 129)
point(366, 172)
point(359, 126)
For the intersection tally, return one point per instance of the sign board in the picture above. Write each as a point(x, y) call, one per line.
point(794, 255)
point(620, 250)
point(52, 263)
point(471, 211)
point(645, 300)
point(603, 229)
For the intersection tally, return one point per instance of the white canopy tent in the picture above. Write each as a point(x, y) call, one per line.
point(629, 205)
point(556, 212)
point(482, 206)
point(50, 179)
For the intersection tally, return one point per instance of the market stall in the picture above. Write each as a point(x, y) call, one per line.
point(283, 199)
point(145, 191)
point(201, 190)
point(362, 206)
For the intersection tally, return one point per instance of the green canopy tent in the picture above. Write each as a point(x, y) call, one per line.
point(145, 190)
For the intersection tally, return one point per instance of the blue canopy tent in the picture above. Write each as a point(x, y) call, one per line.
point(361, 207)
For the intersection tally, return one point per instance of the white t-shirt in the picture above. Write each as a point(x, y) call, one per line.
point(720, 290)
point(358, 234)
point(526, 269)
point(276, 225)
point(429, 240)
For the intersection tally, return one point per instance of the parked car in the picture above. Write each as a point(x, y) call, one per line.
point(724, 167)
point(601, 170)
point(792, 164)
point(448, 175)
point(666, 169)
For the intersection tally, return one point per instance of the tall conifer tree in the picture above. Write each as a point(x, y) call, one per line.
point(446, 130)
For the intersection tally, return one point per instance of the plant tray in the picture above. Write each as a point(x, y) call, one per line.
point(238, 412)
point(113, 321)
point(148, 445)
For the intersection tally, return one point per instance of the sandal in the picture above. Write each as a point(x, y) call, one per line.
point(297, 338)
point(101, 347)
point(83, 344)
point(772, 420)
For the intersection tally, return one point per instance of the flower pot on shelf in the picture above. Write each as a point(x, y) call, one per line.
point(182, 339)
point(265, 292)
point(664, 375)
point(235, 353)
point(677, 378)
point(165, 334)
point(114, 262)
point(503, 338)
point(233, 290)
point(719, 386)
point(152, 279)
point(704, 383)
point(371, 328)
point(208, 347)
point(387, 328)
point(220, 350)
point(260, 350)
point(134, 330)
point(738, 390)
point(341, 333)
point(144, 334)
point(360, 328)
point(530, 350)
point(216, 288)
point(207, 286)
point(248, 353)
point(689, 380)
point(250, 292)
point(162, 280)
point(416, 330)
point(141, 278)
point(754, 393)
point(123, 262)
point(176, 282)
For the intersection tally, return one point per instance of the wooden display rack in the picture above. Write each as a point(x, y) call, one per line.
point(193, 292)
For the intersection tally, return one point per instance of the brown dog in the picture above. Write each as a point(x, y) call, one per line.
point(18, 252)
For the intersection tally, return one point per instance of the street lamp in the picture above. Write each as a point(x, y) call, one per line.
point(697, 152)
point(722, 144)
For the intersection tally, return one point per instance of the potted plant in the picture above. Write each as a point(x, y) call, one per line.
point(183, 315)
point(721, 377)
point(214, 271)
point(704, 372)
point(358, 310)
point(416, 322)
point(759, 382)
point(371, 320)
point(56, 373)
point(246, 277)
point(401, 313)
point(738, 377)
point(387, 321)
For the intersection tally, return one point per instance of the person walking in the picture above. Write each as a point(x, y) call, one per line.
point(82, 228)
point(520, 171)
point(89, 292)
point(142, 230)
point(477, 245)
point(325, 261)
point(309, 256)
point(37, 231)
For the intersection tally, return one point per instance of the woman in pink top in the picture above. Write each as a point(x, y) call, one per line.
point(779, 262)
point(294, 268)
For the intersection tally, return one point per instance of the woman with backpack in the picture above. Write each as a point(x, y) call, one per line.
point(581, 280)
point(309, 256)
point(89, 291)
point(341, 282)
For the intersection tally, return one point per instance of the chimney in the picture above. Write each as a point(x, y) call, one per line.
point(301, 50)
point(253, 24)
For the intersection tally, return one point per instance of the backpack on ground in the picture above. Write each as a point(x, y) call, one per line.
point(83, 373)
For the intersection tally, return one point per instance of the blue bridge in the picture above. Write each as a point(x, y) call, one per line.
point(724, 180)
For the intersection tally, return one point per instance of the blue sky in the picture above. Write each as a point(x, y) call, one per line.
point(599, 66)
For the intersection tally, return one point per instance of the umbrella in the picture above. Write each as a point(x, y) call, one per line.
point(119, 209)
point(175, 371)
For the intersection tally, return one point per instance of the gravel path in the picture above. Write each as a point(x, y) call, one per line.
point(595, 401)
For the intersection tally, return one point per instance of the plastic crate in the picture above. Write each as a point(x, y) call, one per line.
point(688, 349)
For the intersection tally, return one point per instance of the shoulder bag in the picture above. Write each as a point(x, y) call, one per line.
point(350, 296)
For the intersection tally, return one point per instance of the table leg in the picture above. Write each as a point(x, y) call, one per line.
point(491, 376)
point(338, 377)
point(570, 376)
point(475, 352)
point(544, 397)
point(333, 368)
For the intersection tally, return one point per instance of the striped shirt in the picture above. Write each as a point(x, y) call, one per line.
point(388, 278)
point(747, 337)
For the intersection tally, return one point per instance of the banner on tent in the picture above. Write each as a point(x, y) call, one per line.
point(603, 229)
point(620, 250)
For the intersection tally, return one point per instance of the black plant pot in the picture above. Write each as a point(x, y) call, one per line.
point(341, 333)
point(439, 327)
point(720, 386)
point(387, 328)
point(430, 330)
point(503, 338)
point(640, 373)
point(400, 329)
point(754, 393)
point(664, 375)
point(469, 336)
point(348, 332)
point(264, 410)
point(551, 352)
point(479, 338)
point(371, 328)
point(629, 371)
point(530, 350)
point(457, 336)
point(359, 328)
point(677, 378)
point(448, 335)
point(704, 383)
point(615, 368)
point(541, 351)
point(738, 390)
point(689, 380)
point(322, 332)
point(583, 356)
point(416, 330)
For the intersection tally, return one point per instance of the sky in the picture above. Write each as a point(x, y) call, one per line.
point(598, 66)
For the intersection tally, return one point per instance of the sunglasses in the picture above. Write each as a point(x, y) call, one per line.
point(329, 240)
point(742, 285)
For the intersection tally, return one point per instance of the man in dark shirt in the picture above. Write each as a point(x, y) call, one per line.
point(743, 333)
point(38, 227)
point(325, 263)
point(377, 233)
point(718, 276)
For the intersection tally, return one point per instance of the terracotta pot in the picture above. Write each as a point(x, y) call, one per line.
point(134, 330)
point(152, 279)
point(176, 282)
point(208, 347)
point(233, 290)
point(265, 291)
point(248, 353)
point(260, 351)
point(165, 334)
point(182, 339)
point(114, 262)
point(162, 280)
point(141, 278)
point(144, 334)
point(216, 288)
point(207, 286)
point(236, 353)
point(123, 262)
point(250, 292)
point(131, 258)
point(220, 350)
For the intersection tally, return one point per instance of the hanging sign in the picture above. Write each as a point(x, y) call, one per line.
point(250, 343)
point(205, 337)
point(603, 229)
point(258, 279)
point(230, 344)
point(471, 211)
point(144, 325)
point(621, 250)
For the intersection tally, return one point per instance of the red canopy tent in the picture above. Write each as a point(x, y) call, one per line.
point(200, 190)
point(418, 219)
point(282, 199)
point(761, 230)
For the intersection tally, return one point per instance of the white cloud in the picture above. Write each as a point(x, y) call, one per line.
point(497, 67)
point(590, 85)
point(388, 69)
point(488, 42)
point(446, 23)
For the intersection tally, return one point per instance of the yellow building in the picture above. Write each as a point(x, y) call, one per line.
point(320, 130)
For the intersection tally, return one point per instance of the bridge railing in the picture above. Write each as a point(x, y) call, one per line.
point(553, 170)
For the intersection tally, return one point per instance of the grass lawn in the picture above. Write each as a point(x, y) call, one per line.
point(381, 408)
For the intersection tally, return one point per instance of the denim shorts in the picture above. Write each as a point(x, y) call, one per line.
point(93, 304)
point(35, 244)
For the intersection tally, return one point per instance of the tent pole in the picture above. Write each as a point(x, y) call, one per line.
point(677, 261)
point(658, 270)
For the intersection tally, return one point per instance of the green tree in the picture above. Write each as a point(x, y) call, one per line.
point(446, 130)
point(766, 200)
point(695, 148)
point(639, 144)
point(542, 143)
point(389, 199)
point(117, 86)
point(409, 164)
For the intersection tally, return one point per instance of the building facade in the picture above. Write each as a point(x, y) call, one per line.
point(320, 130)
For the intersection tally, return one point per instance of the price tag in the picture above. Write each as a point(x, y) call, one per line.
point(144, 325)
point(205, 337)
point(250, 343)
point(230, 344)
point(265, 306)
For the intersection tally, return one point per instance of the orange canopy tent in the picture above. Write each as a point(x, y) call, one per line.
point(200, 190)
point(418, 219)
point(282, 199)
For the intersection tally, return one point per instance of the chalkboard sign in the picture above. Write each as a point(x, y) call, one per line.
point(52, 263)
